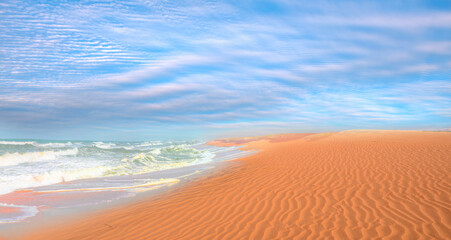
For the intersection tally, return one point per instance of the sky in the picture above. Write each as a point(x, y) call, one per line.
point(149, 69)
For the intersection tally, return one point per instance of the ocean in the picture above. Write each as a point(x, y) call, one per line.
point(37, 174)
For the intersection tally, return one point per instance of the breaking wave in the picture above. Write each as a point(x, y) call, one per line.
point(36, 144)
point(53, 145)
point(25, 164)
point(10, 159)
point(16, 142)
point(109, 170)
point(28, 166)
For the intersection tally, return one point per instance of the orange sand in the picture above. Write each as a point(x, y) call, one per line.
point(346, 185)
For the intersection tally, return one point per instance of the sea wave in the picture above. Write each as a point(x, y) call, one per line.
point(17, 142)
point(68, 161)
point(58, 167)
point(11, 183)
point(53, 145)
point(103, 145)
point(110, 146)
point(155, 151)
point(161, 159)
point(37, 144)
point(149, 144)
point(11, 159)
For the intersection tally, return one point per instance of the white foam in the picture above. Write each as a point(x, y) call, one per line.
point(155, 151)
point(53, 145)
point(25, 212)
point(101, 169)
point(57, 176)
point(11, 183)
point(108, 146)
point(62, 165)
point(103, 145)
point(11, 159)
point(149, 144)
point(16, 142)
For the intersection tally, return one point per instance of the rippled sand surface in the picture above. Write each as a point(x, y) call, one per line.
point(345, 185)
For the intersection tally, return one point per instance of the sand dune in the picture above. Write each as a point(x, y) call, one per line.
point(345, 185)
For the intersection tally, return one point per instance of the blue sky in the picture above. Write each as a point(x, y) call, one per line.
point(136, 70)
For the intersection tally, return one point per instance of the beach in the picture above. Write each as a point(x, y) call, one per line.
point(356, 184)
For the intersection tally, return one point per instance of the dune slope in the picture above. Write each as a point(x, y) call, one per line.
point(346, 185)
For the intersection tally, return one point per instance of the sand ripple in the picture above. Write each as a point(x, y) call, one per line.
point(346, 185)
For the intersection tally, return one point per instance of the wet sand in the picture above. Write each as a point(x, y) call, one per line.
point(346, 185)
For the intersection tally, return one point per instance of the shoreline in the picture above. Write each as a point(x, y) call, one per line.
point(49, 213)
point(59, 216)
point(351, 184)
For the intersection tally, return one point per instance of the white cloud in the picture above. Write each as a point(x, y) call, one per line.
point(438, 47)
point(190, 62)
point(388, 20)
